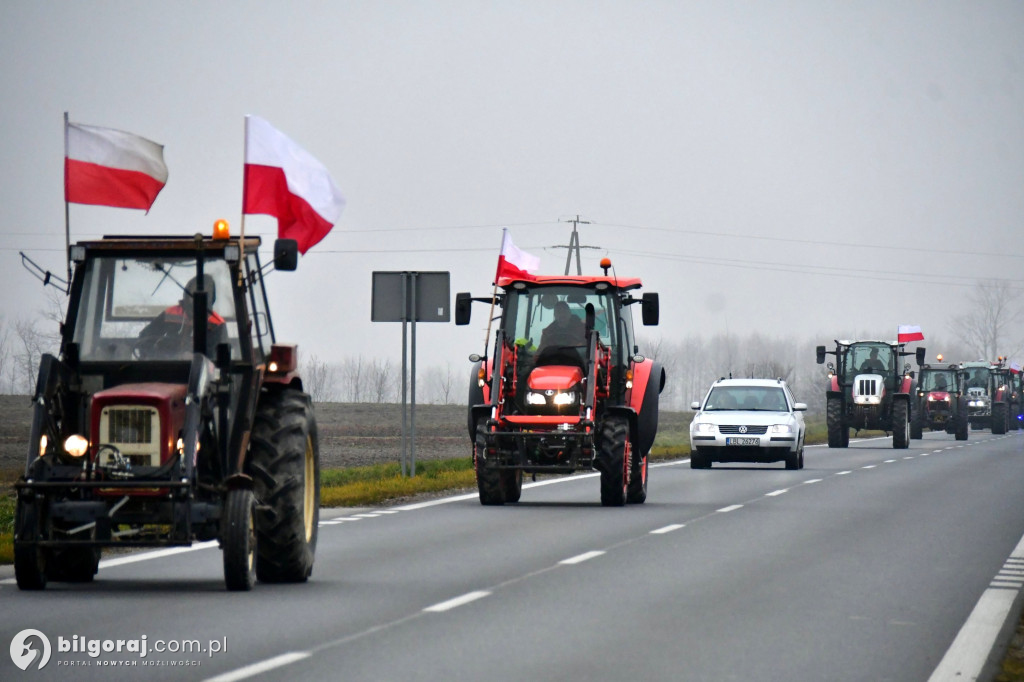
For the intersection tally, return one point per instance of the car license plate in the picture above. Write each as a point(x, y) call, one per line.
point(743, 441)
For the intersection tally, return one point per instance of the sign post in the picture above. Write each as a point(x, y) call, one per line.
point(410, 297)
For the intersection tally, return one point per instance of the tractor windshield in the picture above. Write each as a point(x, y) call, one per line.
point(140, 308)
point(976, 377)
point(556, 315)
point(943, 380)
point(869, 358)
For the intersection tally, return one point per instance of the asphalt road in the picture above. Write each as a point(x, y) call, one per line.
point(863, 566)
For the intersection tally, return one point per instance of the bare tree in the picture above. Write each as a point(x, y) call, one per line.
point(5, 358)
point(380, 371)
point(318, 379)
point(993, 311)
point(32, 343)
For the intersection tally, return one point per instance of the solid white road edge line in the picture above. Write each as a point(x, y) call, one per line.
point(967, 654)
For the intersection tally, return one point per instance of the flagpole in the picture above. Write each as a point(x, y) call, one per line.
point(494, 296)
point(67, 212)
point(245, 188)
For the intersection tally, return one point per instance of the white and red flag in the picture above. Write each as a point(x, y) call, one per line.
point(909, 332)
point(1015, 367)
point(514, 263)
point(284, 180)
point(107, 167)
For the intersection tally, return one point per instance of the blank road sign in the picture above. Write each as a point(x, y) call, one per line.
point(431, 290)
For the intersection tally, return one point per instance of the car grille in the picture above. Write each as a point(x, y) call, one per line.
point(748, 430)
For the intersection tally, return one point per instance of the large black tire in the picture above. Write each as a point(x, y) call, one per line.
point(917, 424)
point(238, 537)
point(794, 460)
point(900, 424)
point(488, 479)
point(962, 427)
point(1000, 418)
point(285, 467)
point(636, 492)
point(838, 431)
point(29, 562)
point(512, 484)
point(612, 460)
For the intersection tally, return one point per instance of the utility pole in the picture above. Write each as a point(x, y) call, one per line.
point(574, 245)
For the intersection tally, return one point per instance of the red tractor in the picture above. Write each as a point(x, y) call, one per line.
point(940, 402)
point(565, 388)
point(150, 430)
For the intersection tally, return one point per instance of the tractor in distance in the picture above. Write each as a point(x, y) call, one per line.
point(989, 395)
point(1009, 377)
point(940, 402)
point(867, 389)
point(150, 430)
point(566, 388)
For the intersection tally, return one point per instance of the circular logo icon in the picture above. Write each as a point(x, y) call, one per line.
point(24, 654)
point(743, 429)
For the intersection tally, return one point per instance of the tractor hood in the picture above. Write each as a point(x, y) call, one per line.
point(554, 378)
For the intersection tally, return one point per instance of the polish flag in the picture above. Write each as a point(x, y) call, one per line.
point(284, 180)
point(909, 332)
point(1015, 367)
point(514, 263)
point(107, 167)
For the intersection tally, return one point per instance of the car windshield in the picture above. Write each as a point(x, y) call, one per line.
point(123, 296)
point(762, 398)
point(938, 381)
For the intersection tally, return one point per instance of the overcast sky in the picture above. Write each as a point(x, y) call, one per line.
point(813, 168)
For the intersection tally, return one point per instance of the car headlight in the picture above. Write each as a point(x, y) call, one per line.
point(564, 399)
point(704, 427)
point(782, 428)
point(534, 398)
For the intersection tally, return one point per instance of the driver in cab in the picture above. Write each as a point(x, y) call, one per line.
point(170, 334)
point(872, 365)
point(565, 330)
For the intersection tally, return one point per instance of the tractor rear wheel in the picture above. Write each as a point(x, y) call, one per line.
point(900, 425)
point(488, 479)
point(838, 431)
point(74, 564)
point(285, 467)
point(1000, 418)
point(612, 460)
point(637, 491)
point(29, 562)
point(512, 484)
point(238, 535)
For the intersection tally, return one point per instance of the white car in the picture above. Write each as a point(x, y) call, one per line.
point(748, 420)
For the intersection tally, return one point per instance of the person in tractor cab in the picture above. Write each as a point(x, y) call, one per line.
point(872, 365)
point(940, 382)
point(170, 334)
point(566, 330)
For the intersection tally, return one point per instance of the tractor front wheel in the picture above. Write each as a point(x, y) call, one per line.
point(838, 431)
point(285, 467)
point(488, 479)
point(637, 491)
point(900, 425)
point(917, 424)
point(512, 484)
point(29, 561)
point(238, 536)
point(1000, 418)
point(612, 459)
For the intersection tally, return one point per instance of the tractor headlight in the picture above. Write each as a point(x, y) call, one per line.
point(534, 398)
point(564, 399)
point(76, 445)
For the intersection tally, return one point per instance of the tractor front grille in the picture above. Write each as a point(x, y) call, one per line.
point(130, 425)
point(134, 430)
point(867, 387)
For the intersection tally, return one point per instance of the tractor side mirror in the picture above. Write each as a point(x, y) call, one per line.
point(821, 355)
point(649, 309)
point(920, 356)
point(463, 307)
point(286, 255)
